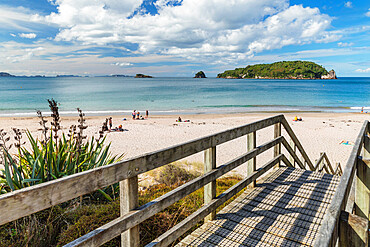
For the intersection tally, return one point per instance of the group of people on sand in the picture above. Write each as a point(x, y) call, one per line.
point(108, 125)
point(136, 115)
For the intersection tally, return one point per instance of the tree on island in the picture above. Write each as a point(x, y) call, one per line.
point(280, 70)
point(143, 76)
point(200, 74)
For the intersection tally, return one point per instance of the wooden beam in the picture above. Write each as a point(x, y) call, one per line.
point(175, 232)
point(292, 145)
point(29, 200)
point(362, 201)
point(277, 133)
point(328, 231)
point(129, 199)
point(292, 154)
point(353, 230)
point(112, 229)
point(210, 189)
point(251, 164)
point(290, 132)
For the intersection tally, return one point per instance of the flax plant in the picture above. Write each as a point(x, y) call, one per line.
point(55, 156)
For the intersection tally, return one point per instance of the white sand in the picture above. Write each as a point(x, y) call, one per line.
point(318, 132)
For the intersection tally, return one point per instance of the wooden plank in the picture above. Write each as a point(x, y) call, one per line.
point(251, 164)
point(354, 230)
point(362, 195)
point(115, 227)
point(190, 221)
point(292, 159)
point(293, 154)
point(277, 133)
point(129, 199)
point(290, 132)
point(210, 188)
point(328, 232)
point(33, 199)
point(329, 165)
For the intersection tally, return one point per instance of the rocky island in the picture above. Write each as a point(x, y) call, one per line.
point(280, 70)
point(4, 74)
point(143, 76)
point(200, 74)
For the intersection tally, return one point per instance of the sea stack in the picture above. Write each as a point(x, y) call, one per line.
point(200, 74)
point(330, 75)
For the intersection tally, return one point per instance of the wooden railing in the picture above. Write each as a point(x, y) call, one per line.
point(352, 196)
point(26, 201)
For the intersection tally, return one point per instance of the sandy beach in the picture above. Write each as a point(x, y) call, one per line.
point(318, 132)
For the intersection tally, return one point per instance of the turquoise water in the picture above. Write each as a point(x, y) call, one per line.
point(108, 95)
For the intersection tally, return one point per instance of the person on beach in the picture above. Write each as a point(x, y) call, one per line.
point(134, 114)
point(110, 123)
point(146, 114)
point(362, 110)
point(137, 115)
point(179, 119)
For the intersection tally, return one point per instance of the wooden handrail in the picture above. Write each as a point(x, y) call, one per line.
point(114, 228)
point(45, 195)
point(291, 134)
point(328, 231)
point(26, 201)
point(175, 232)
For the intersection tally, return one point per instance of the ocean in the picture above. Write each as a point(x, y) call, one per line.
point(120, 95)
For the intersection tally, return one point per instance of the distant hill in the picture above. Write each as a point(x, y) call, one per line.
point(280, 70)
point(4, 74)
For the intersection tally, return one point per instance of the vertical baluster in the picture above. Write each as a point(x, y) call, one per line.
point(210, 189)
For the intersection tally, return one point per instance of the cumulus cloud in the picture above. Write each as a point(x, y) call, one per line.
point(194, 29)
point(348, 4)
point(344, 44)
point(24, 55)
point(363, 70)
point(27, 35)
point(368, 13)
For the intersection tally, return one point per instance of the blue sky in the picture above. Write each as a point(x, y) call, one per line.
point(180, 37)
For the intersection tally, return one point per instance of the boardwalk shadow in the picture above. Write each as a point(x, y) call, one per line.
point(285, 210)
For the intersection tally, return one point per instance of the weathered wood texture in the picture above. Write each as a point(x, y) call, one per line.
point(362, 200)
point(115, 227)
point(210, 189)
point(251, 164)
point(26, 201)
point(354, 230)
point(277, 148)
point(197, 216)
point(291, 134)
point(285, 210)
point(328, 232)
point(129, 200)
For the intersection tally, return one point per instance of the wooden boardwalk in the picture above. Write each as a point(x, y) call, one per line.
point(285, 210)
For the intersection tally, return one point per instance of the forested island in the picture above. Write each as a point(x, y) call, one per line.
point(280, 70)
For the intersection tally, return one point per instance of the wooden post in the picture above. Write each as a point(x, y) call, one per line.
point(362, 201)
point(277, 148)
point(251, 164)
point(294, 147)
point(321, 165)
point(129, 200)
point(353, 230)
point(209, 189)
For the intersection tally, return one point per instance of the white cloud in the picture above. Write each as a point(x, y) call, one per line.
point(27, 35)
point(18, 18)
point(123, 64)
point(368, 13)
point(13, 35)
point(345, 44)
point(363, 70)
point(348, 4)
point(212, 30)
